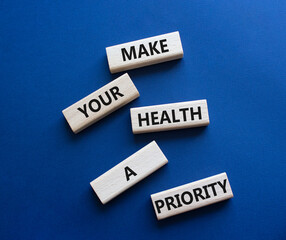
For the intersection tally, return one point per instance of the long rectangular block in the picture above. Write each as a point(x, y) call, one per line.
point(169, 116)
point(191, 196)
point(144, 52)
point(100, 103)
point(130, 171)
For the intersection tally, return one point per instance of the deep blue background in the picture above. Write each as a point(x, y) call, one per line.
point(52, 53)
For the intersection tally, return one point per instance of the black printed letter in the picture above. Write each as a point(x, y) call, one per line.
point(84, 110)
point(198, 193)
point(183, 197)
point(91, 107)
point(159, 206)
point(196, 113)
point(164, 45)
point(142, 50)
point(153, 48)
point(129, 56)
point(140, 119)
point(129, 172)
point(115, 91)
point(223, 186)
point(170, 202)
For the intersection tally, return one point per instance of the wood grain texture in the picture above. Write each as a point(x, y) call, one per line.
point(144, 52)
point(191, 196)
point(129, 172)
point(100, 103)
point(169, 116)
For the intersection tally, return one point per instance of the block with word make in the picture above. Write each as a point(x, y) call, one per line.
point(169, 116)
point(100, 103)
point(130, 171)
point(191, 196)
point(144, 52)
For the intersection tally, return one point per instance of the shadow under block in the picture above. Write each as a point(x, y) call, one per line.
point(144, 52)
point(100, 103)
point(128, 172)
point(191, 196)
point(169, 116)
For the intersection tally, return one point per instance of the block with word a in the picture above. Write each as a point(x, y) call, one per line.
point(130, 171)
point(100, 103)
point(144, 52)
point(169, 116)
point(191, 196)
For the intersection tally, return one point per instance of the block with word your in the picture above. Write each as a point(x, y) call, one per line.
point(100, 103)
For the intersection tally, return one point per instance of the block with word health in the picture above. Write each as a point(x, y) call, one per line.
point(191, 196)
point(169, 116)
point(100, 103)
point(144, 52)
point(130, 171)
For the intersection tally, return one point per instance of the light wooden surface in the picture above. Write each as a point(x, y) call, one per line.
point(191, 196)
point(169, 116)
point(100, 103)
point(144, 52)
point(129, 172)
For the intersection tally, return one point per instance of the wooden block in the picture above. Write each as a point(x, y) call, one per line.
point(191, 196)
point(169, 116)
point(100, 103)
point(130, 171)
point(144, 52)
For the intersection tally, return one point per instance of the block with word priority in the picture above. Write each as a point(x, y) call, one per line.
point(129, 172)
point(169, 116)
point(100, 103)
point(144, 52)
point(191, 196)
